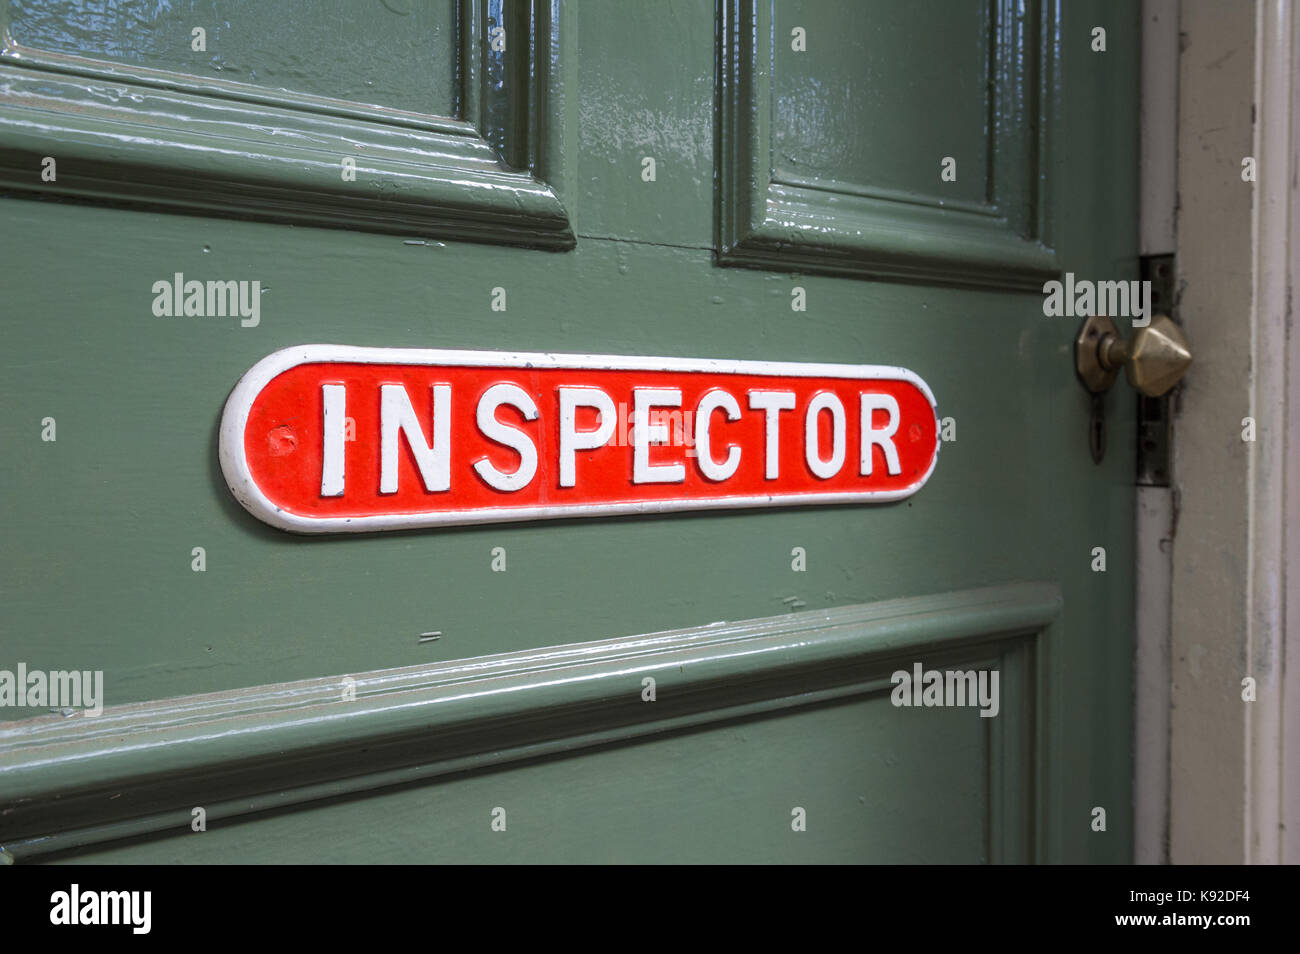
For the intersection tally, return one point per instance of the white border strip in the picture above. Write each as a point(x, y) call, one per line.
point(234, 464)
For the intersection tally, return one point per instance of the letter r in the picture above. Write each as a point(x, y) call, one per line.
point(882, 438)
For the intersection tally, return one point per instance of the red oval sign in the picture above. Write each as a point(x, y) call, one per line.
point(329, 438)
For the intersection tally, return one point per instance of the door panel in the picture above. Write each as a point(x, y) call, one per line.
point(628, 113)
point(773, 683)
point(175, 131)
point(835, 114)
point(628, 805)
point(817, 171)
point(823, 679)
point(409, 62)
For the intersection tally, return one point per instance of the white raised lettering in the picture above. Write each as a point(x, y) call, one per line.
point(511, 437)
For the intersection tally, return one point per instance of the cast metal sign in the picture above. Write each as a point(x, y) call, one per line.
point(329, 438)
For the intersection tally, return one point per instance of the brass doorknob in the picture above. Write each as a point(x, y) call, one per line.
point(1154, 359)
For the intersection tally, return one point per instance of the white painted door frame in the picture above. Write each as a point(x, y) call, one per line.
point(1217, 774)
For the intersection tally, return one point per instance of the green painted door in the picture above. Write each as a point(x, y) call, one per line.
point(883, 183)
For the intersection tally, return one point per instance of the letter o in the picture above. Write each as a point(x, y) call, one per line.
point(824, 401)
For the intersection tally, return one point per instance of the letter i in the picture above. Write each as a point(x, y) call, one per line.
point(334, 431)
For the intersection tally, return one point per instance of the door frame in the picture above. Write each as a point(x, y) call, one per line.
point(1213, 769)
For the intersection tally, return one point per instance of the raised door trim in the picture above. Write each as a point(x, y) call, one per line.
point(851, 229)
point(137, 769)
point(168, 140)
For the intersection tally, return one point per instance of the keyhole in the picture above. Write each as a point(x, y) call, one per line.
point(1097, 430)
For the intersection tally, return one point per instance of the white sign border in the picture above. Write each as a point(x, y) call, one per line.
point(234, 463)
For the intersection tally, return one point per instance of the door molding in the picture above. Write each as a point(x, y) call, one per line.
point(776, 221)
point(178, 142)
point(138, 769)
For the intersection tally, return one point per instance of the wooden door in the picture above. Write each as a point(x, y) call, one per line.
point(884, 183)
